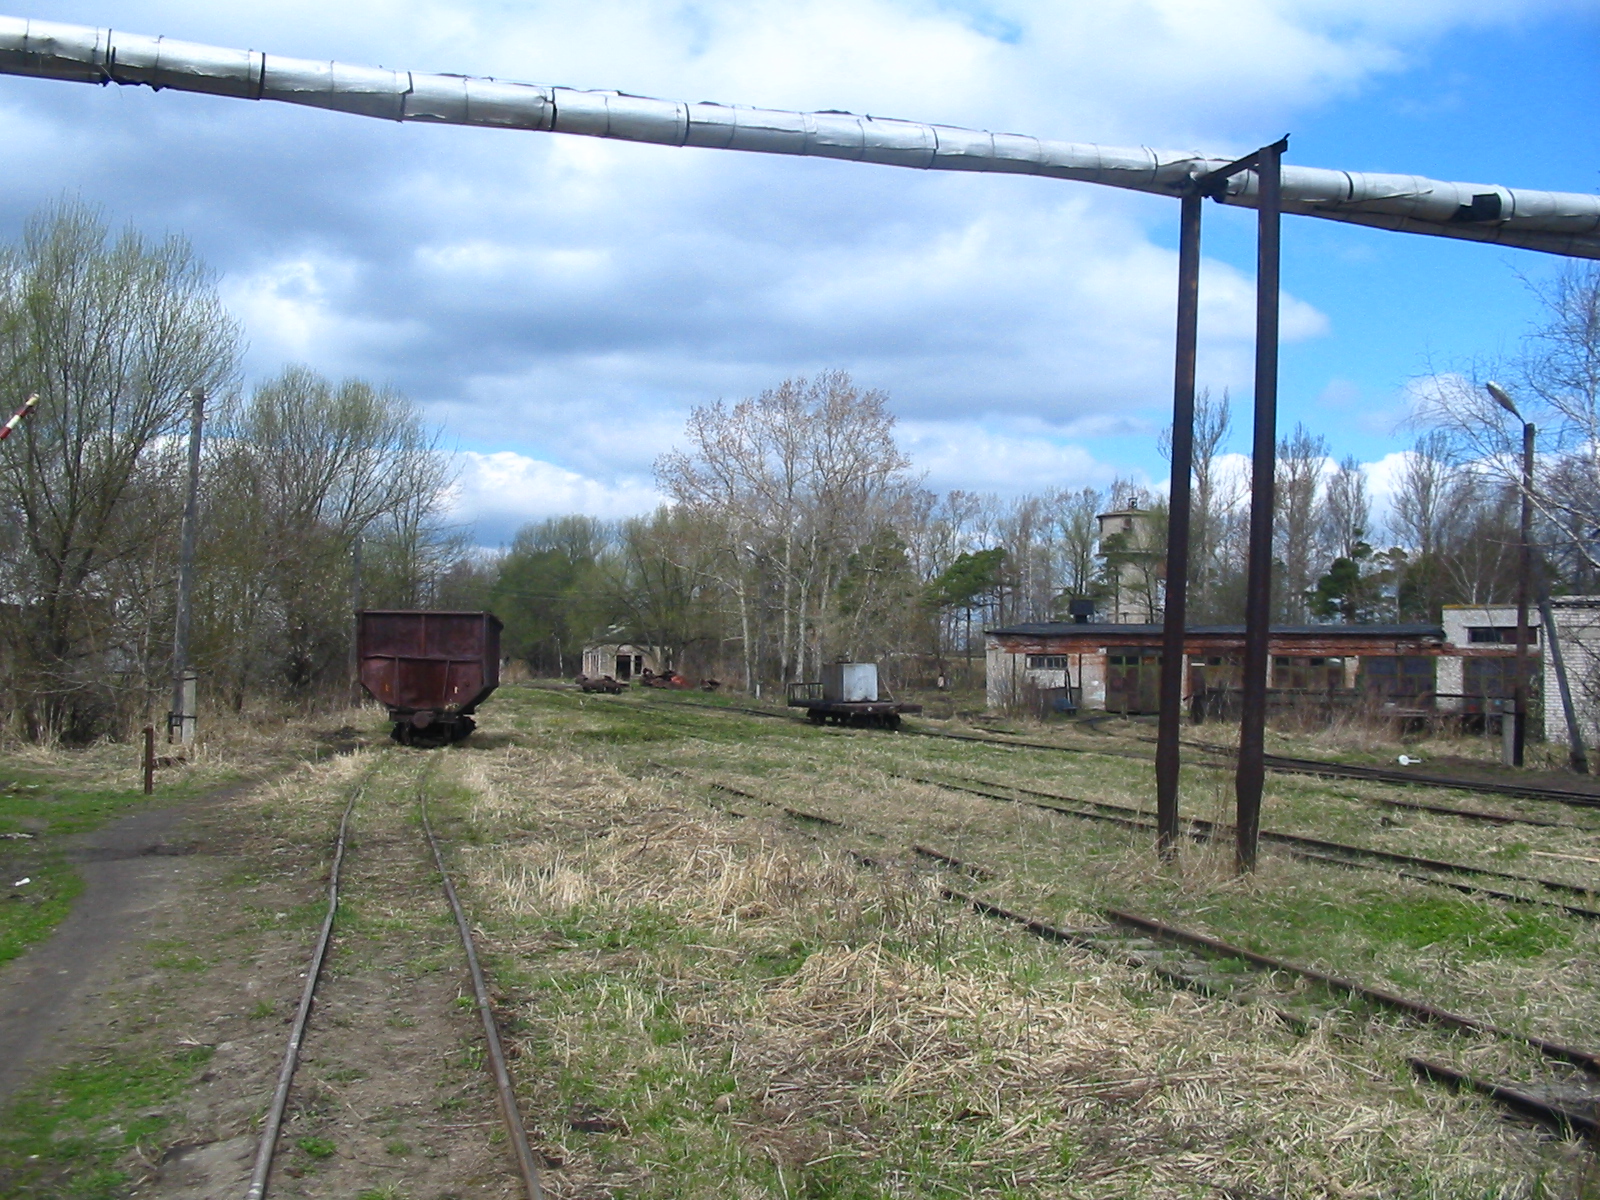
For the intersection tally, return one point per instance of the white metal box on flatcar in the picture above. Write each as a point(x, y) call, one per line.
point(850, 683)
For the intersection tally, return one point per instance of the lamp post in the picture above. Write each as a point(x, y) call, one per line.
point(1524, 574)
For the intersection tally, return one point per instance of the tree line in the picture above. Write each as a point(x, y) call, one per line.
point(795, 530)
point(116, 333)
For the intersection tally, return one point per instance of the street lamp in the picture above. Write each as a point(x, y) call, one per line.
point(1524, 573)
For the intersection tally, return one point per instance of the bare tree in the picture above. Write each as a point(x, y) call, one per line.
point(1214, 504)
point(1347, 513)
point(1557, 387)
point(798, 478)
point(301, 470)
point(1074, 534)
point(1302, 457)
point(112, 333)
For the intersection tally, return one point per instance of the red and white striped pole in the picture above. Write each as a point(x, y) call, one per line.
point(31, 403)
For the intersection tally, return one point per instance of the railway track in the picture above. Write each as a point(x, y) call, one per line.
point(1491, 818)
point(495, 1059)
point(1341, 854)
point(1566, 1099)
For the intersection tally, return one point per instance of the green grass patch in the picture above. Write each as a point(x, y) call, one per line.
point(64, 1136)
point(38, 906)
point(316, 1147)
point(47, 808)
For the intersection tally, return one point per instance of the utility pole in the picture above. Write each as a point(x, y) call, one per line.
point(1524, 575)
point(181, 719)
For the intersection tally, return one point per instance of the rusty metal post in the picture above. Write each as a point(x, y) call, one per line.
point(149, 759)
point(1176, 610)
point(1524, 587)
point(1258, 588)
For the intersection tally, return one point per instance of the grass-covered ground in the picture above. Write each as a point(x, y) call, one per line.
point(717, 999)
point(707, 997)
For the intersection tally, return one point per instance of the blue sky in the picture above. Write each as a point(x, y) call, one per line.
point(557, 304)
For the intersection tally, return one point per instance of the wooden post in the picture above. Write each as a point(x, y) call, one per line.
point(149, 759)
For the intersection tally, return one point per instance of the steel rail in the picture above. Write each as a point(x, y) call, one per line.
point(1311, 766)
point(1439, 809)
point(1564, 1120)
point(512, 1114)
point(1309, 849)
point(1584, 1059)
point(1094, 941)
point(273, 1123)
point(1307, 766)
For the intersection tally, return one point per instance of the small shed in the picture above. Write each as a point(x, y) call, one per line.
point(623, 661)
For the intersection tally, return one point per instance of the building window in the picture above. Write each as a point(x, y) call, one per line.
point(1499, 635)
point(1047, 662)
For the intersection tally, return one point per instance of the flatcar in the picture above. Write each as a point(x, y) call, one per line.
point(431, 670)
point(847, 694)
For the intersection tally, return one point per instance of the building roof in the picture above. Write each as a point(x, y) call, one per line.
point(1109, 632)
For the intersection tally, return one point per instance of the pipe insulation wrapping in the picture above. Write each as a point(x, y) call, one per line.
point(1554, 222)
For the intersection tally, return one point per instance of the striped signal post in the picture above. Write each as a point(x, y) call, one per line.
point(28, 405)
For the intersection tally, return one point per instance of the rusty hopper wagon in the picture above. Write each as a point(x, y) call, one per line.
point(430, 669)
point(847, 694)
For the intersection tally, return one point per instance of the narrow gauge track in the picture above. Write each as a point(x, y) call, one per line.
point(1569, 1104)
point(1310, 849)
point(510, 1113)
point(1492, 818)
point(1311, 766)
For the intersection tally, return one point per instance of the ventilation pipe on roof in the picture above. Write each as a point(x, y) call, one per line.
point(1553, 222)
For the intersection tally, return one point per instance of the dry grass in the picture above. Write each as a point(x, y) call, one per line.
point(230, 745)
point(752, 1014)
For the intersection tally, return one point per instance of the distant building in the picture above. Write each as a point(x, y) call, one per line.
point(1481, 667)
point(1116, 667)
point(620, 660)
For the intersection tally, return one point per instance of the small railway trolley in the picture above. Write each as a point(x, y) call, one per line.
point(847, 694)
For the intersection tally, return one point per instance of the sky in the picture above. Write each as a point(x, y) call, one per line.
point(556, 305)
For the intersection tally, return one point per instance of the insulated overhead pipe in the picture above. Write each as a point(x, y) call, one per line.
point(1552, 222)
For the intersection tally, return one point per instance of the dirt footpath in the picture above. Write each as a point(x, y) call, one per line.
point(134, 872)
point(189, 944)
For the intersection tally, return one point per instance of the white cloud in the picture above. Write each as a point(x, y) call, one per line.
point(1010, 461)
point(500, 491)
point(560, 303)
